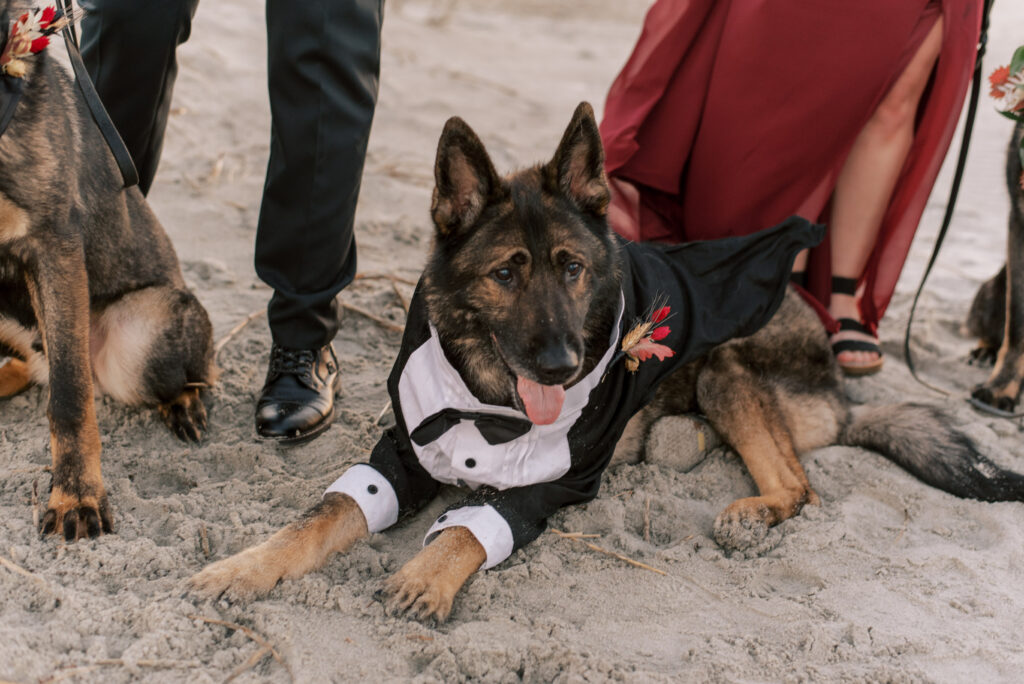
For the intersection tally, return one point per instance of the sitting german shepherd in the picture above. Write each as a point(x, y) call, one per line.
point(530, 305)
point(1001, 336)
point(90, 291)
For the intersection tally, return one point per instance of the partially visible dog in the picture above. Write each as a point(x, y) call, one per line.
point(996, 316)
point(518, 313)
point(91, 293)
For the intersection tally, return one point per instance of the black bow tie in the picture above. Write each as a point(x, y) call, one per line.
point(495, 428)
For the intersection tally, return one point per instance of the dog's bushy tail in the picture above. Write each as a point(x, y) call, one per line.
point(922, 441)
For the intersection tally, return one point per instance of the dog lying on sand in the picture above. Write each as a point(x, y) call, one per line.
point(535, 339)
point(91, 293)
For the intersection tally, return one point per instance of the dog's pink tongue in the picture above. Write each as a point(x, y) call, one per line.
point(543, 403)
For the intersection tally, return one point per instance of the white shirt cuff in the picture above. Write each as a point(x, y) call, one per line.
point(374, 494)
point(486, 524)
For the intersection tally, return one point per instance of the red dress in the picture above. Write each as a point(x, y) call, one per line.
point(731, 115)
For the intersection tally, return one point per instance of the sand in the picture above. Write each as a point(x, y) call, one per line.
point(888, 580)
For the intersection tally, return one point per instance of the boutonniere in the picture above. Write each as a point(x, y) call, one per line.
point(30, 33)
point(643, 341)
point(1008, 88)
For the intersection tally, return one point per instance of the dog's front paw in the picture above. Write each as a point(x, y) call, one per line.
point(420, 596)
point(76, 516)
point(998, 397)
point(242, 577)
point(185, 415)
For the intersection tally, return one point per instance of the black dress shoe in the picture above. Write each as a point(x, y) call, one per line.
point(297, 401)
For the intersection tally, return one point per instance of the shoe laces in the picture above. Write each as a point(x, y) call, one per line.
point(292, 361)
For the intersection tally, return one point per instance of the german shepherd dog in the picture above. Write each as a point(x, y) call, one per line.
point(996, 316)
point(771, 396)
point(91, 293)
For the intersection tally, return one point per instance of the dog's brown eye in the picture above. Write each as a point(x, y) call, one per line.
point(573, 268)
point(503, 275)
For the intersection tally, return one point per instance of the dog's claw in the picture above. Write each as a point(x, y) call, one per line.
point(415, 599)
point(242, 577)
point(982, 356)
point(186, 416)
point(84, 521)
point(992, 397)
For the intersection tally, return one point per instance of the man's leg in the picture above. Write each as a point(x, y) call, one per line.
point(128, 48)
point(324, 61)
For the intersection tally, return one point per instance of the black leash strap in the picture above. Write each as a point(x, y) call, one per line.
point(957, 176)
point(92, 99)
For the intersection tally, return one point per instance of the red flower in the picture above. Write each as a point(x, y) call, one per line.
point(47, 16)
point(998, 78)
point(39, 44)
point(660, 314)
point(660, 332)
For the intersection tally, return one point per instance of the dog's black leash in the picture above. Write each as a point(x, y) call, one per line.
point(955, 190)
point(92, 99)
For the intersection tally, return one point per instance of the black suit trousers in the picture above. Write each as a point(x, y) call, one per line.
point(323, 67)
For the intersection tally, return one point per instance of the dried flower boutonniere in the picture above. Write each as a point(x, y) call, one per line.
point(30, 33)
point(643, 341)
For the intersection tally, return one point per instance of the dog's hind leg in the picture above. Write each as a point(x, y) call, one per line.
point(60, 296)
point(332, 525)
point(185, 415)
point(14, 378)
point(22, 342)
point(747, 414)
point(426, 586)
point(986, 319)
point(155, 346)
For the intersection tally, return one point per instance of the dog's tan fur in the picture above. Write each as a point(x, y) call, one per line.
point(425, 586)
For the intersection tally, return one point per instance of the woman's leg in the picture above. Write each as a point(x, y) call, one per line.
point(866, 182)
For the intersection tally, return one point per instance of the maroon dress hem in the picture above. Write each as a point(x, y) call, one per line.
point(731, 115)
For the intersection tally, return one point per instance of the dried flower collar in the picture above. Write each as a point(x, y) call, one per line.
point(30, 34)
point(643, 341)
point(1008, 88)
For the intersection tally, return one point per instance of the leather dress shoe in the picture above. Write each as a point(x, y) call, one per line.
point(297, 401)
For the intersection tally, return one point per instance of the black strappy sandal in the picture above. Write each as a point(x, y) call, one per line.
point(848, 286)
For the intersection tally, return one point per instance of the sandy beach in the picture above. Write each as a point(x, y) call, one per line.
point(888, 580)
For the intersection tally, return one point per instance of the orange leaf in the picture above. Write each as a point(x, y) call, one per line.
point(645, 349)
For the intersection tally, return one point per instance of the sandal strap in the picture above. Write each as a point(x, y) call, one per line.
point(852, 324)
point(855, 346)
point(844, 286)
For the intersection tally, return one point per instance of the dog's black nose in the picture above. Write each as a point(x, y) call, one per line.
point(556, 363)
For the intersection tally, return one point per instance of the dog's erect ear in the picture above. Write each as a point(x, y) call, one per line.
point(577, 169)
point(464, 178)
